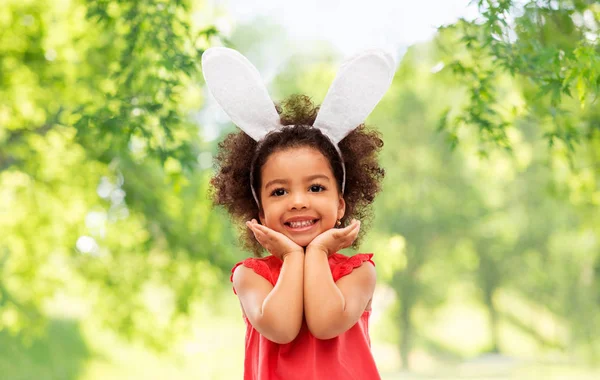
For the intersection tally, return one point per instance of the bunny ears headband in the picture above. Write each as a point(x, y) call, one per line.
point(237, 86)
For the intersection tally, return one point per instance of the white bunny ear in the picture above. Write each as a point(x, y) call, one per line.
point(360, 84)
point(239, 89)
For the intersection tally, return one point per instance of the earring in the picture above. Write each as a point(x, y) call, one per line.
point(338, 223)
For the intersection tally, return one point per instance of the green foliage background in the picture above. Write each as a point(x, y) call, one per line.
point(113, 262)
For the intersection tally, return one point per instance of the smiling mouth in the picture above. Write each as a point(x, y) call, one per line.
point(301, 225)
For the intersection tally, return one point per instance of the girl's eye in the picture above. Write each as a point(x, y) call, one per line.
point(316, 188)
point(278, 192)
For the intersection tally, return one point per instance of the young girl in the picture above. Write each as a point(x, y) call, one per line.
point(298, 179)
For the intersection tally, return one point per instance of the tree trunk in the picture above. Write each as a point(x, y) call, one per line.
point(494, 318)
point(406, 291)
point(406, 334)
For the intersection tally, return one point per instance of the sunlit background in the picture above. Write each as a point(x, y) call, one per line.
point(114, 264)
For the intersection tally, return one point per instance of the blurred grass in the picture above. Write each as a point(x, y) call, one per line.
point(61, 354)
point(77, 349)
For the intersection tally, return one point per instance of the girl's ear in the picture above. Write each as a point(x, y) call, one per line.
point(341, 207)
point(261, 216)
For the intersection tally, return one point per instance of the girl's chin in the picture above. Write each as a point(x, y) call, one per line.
point(303, 241)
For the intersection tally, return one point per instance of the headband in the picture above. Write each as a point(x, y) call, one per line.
point(238, 88)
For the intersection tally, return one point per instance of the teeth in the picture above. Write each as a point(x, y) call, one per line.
point(304, 223)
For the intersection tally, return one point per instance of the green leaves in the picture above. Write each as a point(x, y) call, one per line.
point(542, 46)
point(102, 196)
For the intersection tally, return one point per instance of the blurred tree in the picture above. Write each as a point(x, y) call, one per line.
point(480, 215)
point(101, 193)
point(551, 51)
point(428, 200)
point(550, 46)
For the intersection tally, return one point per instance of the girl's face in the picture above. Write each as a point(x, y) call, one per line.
point(299, 194)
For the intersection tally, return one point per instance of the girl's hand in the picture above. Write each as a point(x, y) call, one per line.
point(336, 239)
point(276, 243)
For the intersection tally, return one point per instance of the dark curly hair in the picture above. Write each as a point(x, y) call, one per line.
point(239, 154)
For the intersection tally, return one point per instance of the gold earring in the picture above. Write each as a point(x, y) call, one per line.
point(338, 223)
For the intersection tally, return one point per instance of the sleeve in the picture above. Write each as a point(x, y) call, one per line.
point(258, 266)
point(346, 267)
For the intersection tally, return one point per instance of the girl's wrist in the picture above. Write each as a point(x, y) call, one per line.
point(297, 253)
point(316, 249)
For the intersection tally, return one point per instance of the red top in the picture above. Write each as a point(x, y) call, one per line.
point(347, 356)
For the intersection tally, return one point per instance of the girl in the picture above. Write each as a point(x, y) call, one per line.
point(298, 179)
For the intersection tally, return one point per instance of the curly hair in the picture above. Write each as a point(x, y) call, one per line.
point(230, 186)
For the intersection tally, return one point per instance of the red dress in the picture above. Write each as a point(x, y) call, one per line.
point(347, 356)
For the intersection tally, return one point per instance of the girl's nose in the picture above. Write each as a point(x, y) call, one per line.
point(298, 201)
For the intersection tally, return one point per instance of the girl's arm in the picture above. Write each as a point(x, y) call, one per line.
point(332, 308)
point(274, 311)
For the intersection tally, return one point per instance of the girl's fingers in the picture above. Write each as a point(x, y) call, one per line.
point(352, 227)
point(260, 227)
point(256, 227)
point(353, 223)
point(257, 232)
point(352, 234)
point(265, 231)
point(264, 235)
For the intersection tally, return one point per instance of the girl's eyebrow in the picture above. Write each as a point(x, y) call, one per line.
point(315, 176)
point(306, 179)
point(273, 182)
